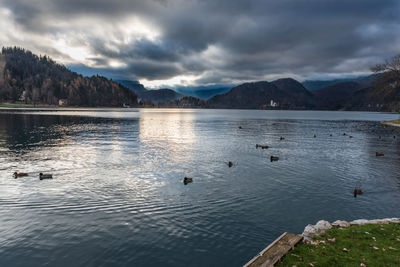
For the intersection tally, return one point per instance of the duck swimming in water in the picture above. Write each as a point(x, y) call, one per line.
point(45, 176)
point(19, 174)
point(274, 158)
point(261, 146)
point(282, 138)
point(230, 164)
point(378, 154)
point(187, 180)
point(357, 192)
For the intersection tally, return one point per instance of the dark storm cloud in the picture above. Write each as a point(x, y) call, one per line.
point(219, 41)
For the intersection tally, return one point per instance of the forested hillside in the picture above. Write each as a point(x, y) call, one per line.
point(39, 80)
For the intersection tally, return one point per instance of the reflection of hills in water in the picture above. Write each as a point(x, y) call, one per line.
point(24, 131)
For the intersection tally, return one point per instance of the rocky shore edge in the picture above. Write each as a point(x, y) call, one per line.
point(312, 231)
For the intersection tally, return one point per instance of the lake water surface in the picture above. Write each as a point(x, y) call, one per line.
point(117, 197)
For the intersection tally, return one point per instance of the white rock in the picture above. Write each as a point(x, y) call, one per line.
point(323, 225)
point(312, 231)
point(376, 221)
point(340, 224)
point(359, 222)
point(379, 221)
point(394, 220)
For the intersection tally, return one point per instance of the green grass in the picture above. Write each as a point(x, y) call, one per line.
point(371, 244)
point(9, 106)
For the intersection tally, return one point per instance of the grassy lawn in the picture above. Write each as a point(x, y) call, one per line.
point(371, 244)
point(8, 106)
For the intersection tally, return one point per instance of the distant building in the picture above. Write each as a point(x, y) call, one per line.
point(23, 96)
point(62, 102)
point(273, 104)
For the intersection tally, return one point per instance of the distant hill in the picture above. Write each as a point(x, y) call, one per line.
point(318, 84)
point(299, 95)
point(368, 93)
point(155, 96)
point(336, 96)
point(283, 94)
point(32, 79)
point(204, 92)
point(160, 95)
point(378, 97)
point(135, 86)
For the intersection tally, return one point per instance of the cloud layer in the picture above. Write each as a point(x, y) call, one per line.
point(206, 41)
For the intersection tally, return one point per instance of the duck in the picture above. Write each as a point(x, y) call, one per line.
point(45, 176)
point(350, 136)
point(315, 135)
point(19, 174)
point(240, 127)
point(378, 154)
point(261, 146)
point(344, 134)
point(394, 137)
point(187, 180)
point(330, 135)
point(274, 158)
point(380, 137)
point(230, 164)
point(357, 192)
point(282, 138)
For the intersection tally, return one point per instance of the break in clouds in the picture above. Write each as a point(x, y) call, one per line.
point(194, 42)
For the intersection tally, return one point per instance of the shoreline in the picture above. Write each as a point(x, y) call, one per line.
point(312, 231)
point(53, 107)
point(393, 123)
point(17, 106)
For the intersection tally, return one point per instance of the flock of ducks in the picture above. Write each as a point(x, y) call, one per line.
point(187, 180)
point(357, 191)
point(42, 176)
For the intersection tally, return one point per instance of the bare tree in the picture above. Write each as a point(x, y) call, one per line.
point(390, 71)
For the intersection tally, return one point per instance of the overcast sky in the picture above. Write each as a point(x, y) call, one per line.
point(201, 42)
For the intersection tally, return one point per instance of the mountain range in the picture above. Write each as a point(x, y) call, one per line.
point(366, 94)
point(38, 79)
point(360, 93)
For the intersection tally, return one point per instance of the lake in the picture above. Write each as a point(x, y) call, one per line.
point(117, 197)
